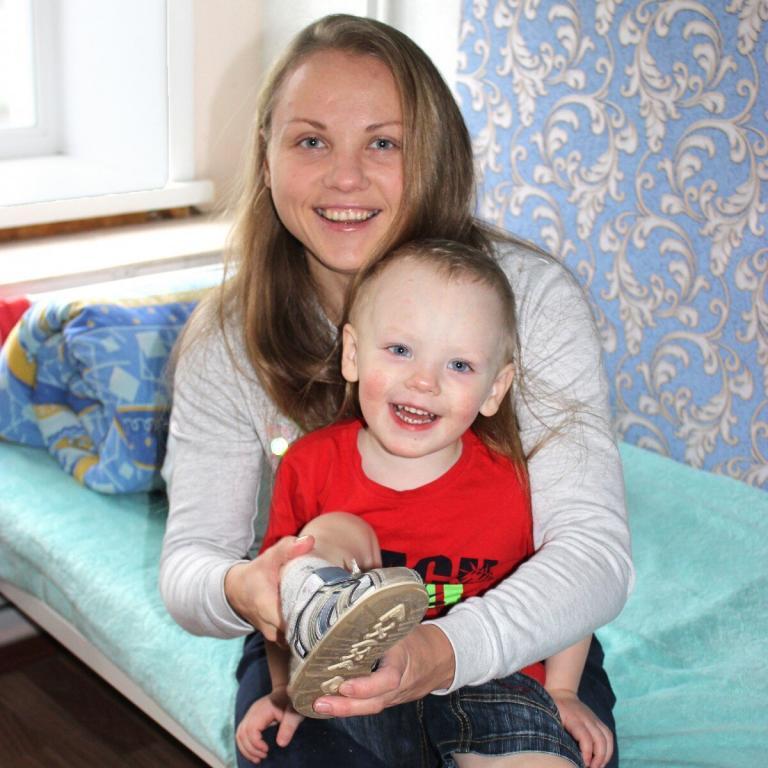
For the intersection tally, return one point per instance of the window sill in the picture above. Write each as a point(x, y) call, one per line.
point(32, 267)
point(23, 180)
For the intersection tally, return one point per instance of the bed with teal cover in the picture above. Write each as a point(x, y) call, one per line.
point(83, 411)
point(686, 656)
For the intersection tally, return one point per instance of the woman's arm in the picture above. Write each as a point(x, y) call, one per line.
point(214, 467)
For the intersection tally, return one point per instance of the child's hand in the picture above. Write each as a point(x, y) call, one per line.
point(266, 711)
point(594, 738)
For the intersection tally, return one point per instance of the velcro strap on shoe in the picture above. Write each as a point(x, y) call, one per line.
point(332, 574)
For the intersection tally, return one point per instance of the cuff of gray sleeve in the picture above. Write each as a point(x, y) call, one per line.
point(465, 633)
point(452, 687)
point(227, 621)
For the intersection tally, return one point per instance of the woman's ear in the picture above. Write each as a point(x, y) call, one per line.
point(349, 353)
point(499, 389)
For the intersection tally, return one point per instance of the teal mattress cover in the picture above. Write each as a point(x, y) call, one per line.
point(686, 656)
point(94, 559)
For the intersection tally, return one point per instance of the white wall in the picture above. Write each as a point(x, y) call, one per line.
point(236, 41)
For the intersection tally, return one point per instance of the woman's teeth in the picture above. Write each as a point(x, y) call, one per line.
point(411, 415)
point(346, 214)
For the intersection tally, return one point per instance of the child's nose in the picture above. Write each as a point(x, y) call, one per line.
point(424, 380)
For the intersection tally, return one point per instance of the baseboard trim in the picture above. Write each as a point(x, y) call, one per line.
point(14, 627)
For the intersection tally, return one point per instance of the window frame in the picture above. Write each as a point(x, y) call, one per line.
point(42, 137)
point(30, 186)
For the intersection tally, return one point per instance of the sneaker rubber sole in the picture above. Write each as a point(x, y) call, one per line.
point(359, 638)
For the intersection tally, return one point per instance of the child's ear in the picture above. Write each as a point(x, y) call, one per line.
point(349, 353)
point(499, 389)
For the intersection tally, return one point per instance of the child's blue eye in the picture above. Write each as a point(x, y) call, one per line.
point(460, 366)
point(400, 350)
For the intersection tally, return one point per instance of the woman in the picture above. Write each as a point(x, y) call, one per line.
point(359, 147)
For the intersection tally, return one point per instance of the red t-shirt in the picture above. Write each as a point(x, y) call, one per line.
point(463, 533)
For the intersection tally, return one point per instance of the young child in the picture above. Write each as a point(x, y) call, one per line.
point(425, 475)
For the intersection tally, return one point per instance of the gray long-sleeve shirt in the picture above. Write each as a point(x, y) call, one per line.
point(224, 443)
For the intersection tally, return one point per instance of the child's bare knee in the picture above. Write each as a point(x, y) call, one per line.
point(522, 760)
point(341, 537)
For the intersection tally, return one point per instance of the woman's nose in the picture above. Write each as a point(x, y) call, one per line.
point(346, 171)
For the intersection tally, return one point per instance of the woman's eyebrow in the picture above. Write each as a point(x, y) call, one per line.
point(372, 128)
point(378, 126)
point(314, 123)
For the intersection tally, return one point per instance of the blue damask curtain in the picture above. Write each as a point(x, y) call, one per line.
point(630, 140)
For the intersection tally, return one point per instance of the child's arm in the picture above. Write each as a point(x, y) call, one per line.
point(278, 661)
point(564, 671)
point(274, 708)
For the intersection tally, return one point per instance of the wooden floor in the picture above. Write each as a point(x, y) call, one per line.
point(56, 713)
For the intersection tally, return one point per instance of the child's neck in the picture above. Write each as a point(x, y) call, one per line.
point(403, 473)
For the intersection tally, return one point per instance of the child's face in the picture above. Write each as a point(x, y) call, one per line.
point(429, 355)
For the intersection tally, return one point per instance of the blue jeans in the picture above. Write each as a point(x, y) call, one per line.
point(500, 717)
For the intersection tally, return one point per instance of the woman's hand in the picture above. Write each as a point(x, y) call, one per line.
point(588, 730)
point(420, 663)
point(253, 589)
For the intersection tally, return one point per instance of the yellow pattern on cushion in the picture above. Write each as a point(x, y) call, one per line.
point(82, 466)
point(79, 443)
point(47, 410)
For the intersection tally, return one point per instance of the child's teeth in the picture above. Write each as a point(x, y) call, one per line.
point(424, 416)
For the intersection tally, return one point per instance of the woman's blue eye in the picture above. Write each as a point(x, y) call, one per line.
point(460, 366)
point(400, 350)
point(311, 142)
point(383, 144)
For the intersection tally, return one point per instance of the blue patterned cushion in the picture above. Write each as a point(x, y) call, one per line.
point(87, 380)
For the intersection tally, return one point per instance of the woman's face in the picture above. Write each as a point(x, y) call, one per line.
point(334, 162)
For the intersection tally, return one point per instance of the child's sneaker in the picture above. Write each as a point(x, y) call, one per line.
point(347, 626)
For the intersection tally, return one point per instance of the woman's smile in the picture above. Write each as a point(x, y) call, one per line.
point(347, 215)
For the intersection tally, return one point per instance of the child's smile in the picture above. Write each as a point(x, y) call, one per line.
point(414, 417)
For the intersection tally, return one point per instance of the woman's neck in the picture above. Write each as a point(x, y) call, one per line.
point(331, 291)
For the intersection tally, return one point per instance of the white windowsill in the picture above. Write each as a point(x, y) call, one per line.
point(43, 265)
point(176, 194)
